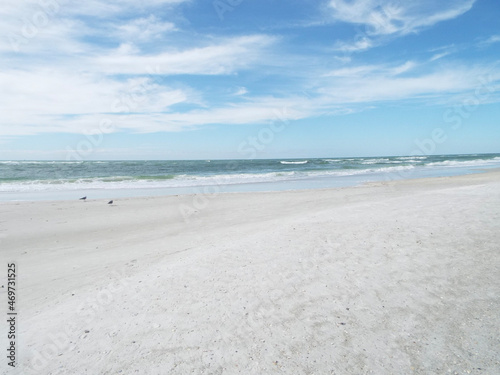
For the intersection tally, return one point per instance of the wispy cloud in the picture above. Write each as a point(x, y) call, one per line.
point(382, 19)
point(258, 110)
point(491, 40)
point(375, 84)
point(57, 25)
point(397, 17)
point(116, 77)
point(133, 67)
point(141, 106)
point(45, 101)
point(221, 57)
point(363, 43)
point(438, 56)
point(241, 91)
point(143, 29)
point(365, 70)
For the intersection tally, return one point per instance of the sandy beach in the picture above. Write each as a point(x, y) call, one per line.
point(388, 278)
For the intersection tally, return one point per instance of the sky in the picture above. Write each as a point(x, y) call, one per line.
point(241, 79)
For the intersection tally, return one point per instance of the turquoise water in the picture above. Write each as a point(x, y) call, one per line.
point(32, 180)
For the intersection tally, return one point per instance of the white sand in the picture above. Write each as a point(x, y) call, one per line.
point(390, 278)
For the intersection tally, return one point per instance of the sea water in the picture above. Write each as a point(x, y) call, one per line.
point(49, 180)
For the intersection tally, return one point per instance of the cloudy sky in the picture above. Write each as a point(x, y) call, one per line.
point(198, 79)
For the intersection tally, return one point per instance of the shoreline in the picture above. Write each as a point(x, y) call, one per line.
point(388, 277)
point(278, 186)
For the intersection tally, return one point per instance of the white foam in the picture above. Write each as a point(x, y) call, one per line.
point(465, 163)
point(185, 180)
point(412, 157)
point(294, 162)
point(179, 181)
point(375, 161)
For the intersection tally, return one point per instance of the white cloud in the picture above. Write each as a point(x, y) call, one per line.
point(397, 17)
point(440, 52)
point(363, 43)
point(143, 29)
point(438, 56)
point(406, 67)
point(48, 101)
point(29, 27)
point(241, 91)
point(84, 82)
point(222, 57)
point(382, 19)
point(34, 26)
point(491, 40)
point(372, 84)
point(370, 70)
point(79, 104)
point(250, 112)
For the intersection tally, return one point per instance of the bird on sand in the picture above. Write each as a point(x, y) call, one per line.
point(83, 198)
point(110, 202)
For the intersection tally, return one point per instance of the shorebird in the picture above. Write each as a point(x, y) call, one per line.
point(110, 202)
point(83, 198)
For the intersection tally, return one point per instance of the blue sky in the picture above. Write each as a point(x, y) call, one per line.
point(192, 79)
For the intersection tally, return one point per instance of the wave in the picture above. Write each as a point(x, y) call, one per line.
point(465, 163)
point(294, 162)
point(182, 181)
point(375, 161)
point(194, 173)
point(412, 157)
point(141, 182)
point(353, 172)
point(163, 177)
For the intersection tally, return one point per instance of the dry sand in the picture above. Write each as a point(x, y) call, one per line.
point(388, 278)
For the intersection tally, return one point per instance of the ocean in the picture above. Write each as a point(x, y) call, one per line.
point(56, 180)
